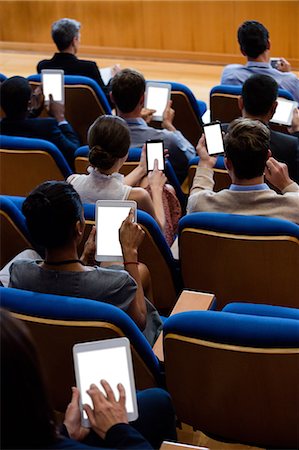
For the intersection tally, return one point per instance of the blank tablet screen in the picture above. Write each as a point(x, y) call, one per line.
point(214, 139)
point(157, 98)
point(53, 84)
point(284, 112)
point(155, 150)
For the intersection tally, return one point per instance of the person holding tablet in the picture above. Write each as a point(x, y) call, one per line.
point(109, 142)
point(55, 220)
point(28, 420)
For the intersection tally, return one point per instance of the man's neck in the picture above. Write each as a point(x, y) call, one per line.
point(263, 57)
point(263, 118)
point(69, 50)
point(135, 114)
point(251, 182)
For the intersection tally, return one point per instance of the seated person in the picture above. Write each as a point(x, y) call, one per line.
point(109, 142)
point(55, 220)
point(254, 43)
point(127, 93)
point(28, 420)
point(259, 101)
point(16, 99)
point(66, 36)
point(248, 159)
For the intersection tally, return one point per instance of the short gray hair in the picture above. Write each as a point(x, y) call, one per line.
point(64, 31)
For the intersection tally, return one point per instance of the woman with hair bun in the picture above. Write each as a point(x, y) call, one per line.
point(109, 142)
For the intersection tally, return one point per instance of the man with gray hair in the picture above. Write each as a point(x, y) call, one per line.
point(66, 36)
point(248, 161)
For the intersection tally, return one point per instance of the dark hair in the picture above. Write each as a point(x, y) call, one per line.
point(253, 38)
point(51, 211)
point(64, 31)
point(246, 144)
point(15, 93)
point(259, 92)
point(108, 140)
point(27, 418)
point(127, 87)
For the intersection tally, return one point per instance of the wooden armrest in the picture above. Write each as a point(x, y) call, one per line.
point(177, 446)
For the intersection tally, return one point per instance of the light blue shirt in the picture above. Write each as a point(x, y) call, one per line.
point(236, 74)
point(253, 187)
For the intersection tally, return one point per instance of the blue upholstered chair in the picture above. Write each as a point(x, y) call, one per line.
point(26, 162)
point(84, 102)
point(234, 374)
point(188, 111)
point(2, 77)
point(221, 176)
point(58, 322)
point(224, 104)
point(240, 258)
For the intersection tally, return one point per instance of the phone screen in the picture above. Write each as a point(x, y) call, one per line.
point(155, 150)
point(214, 140)
point(109, 220)
point(53, 84)
point(157, 98)
point(110, 364)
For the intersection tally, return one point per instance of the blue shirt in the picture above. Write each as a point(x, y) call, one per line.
point(253, 187)
point(236, 74)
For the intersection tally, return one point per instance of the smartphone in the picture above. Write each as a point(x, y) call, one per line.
point(274, 62)
point(109, 360)
point(53, 83)
point(157, 96)
point(214, 139)
point(155, 150)
point(284, 111)
point(109, 216)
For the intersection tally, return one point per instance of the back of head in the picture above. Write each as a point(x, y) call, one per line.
point(64, 31)
point(127, 88)
point(51, 211)
point(246, 146)
point(259, 92)
point(253, 38)
point(15, 93)
point(108, 140)
point(26, 416)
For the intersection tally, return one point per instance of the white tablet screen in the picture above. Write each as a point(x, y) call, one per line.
point(53, 84)
point(284, 111)
point(214, 139)
point(155, 151)
point(105, 364)
point(157, 98)
point(109, 220)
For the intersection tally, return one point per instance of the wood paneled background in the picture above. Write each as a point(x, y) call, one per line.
point(198, 31)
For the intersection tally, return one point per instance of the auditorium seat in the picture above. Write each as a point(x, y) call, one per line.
point(221, 176)
point(58, 322)
point(240, 258)
point(234, 375)
point(84, 102)
point(27, 162)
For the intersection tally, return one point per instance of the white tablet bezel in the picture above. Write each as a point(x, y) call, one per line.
point(288, 121)
point(54, 71)
point(107, 204)
point(100, 345)
point(167, 86)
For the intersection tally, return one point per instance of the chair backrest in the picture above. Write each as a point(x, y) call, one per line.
point(84, 102)
point(27, 162)
point(235, 376)
point(221, 176)
point(57, 323)
point(188, 111)
point(14, 236)
point(240, 258)
point(2, 77)
point(224, 104)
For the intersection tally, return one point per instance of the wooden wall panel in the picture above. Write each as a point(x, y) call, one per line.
point(203, 31)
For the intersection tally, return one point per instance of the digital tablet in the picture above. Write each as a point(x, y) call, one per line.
point(157, 96)
point(109, 216)
point(53, 83)
point(214, 139)
point(284, 111)
point(155, 150)
point(109, 360)
point(106, 74)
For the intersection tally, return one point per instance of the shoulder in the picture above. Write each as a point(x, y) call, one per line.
point(276, 136)
point(87, 63)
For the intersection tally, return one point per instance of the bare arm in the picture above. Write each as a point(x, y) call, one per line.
point(157, 180)
point(134, 178)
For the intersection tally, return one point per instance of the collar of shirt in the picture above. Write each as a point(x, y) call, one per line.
point(265, 65)
point(136, 121)
point(253, 187)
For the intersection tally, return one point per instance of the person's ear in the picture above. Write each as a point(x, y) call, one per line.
point(269, 154)
point(141, 102)
point(243, 52)
point(273, 109)
point(268, 44)
point(80, 226)
point(228, 163)
point(240, 103)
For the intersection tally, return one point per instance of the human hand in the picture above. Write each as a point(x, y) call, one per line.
point(37, 99)
point(115, 69)
point(277, 174)
point(106, 410)
point(56, 109)
point(205, 160)
point(130, 235)
point(156, 178)
point(72, 419)
point(88, 254)
point(283, 65)
point(142, 162)
point(295, 122)
point(147, 114)
point(168, 116)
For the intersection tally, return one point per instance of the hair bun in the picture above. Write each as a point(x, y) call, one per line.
point(100, 158)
